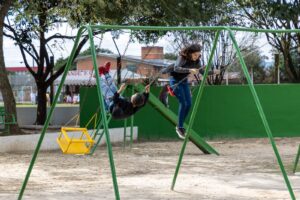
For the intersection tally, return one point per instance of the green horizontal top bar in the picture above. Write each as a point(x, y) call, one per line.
point(203, 28)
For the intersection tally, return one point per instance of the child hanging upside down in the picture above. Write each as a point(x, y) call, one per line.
point(118, 106)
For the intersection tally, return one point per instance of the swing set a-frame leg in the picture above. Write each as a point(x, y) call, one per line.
point(257, 103)
point(105, 121)
point(40, 141)
point(296, 160)
point(104, 117)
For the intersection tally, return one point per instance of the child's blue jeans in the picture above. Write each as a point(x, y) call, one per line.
point(108, 88)
point(183, 94)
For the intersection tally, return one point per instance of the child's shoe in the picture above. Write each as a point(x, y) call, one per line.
point(101, 70)
point(107, 67)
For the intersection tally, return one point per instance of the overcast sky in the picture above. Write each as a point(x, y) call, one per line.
point(13, 56)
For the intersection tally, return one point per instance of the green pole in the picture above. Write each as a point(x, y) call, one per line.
point(197, 28)
point(38, 146)
point(195, 109)
point(262, 114)
point(296, 160)
point(131, 131)
point(125, 134)
point(103, 113)
point(99, 125)
point(132, 121)
point(100, 136)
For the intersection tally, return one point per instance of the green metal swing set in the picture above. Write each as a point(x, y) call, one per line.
point(190, 134)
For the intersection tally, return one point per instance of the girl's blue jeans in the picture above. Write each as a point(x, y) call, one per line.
point(183, 94)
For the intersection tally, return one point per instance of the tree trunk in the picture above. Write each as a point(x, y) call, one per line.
point(288, 63)
point(41, 105)
point(276, 65)
point(5, 88)
point(289, 67)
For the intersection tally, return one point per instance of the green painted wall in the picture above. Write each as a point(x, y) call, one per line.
point(224, 112)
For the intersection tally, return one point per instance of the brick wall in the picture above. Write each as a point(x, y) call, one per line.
point(152, 52)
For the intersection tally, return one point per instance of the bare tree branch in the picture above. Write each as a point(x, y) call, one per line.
point(61, 69)
point(19, 43)
point(59, 36)
point(26, 62)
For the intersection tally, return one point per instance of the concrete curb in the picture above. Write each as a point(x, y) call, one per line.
point(21, 143)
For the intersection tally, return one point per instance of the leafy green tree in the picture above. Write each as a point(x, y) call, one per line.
point(255, 65)
point(88, 51)
point(170, 56)
point(275, 14)
point(30, 22)
point(5, 87)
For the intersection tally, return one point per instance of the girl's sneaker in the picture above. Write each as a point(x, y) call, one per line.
point(180, 132)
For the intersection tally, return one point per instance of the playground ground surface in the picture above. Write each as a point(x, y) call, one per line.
point(245, 169)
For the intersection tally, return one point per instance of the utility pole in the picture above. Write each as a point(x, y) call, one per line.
point(51, 74)
point(298, 49)
point(52, 84)
point(119, 65)
point(277, 71)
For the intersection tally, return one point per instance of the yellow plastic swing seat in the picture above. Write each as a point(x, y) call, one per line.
point(80, 142)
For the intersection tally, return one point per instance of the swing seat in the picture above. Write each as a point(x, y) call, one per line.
point(79, 143)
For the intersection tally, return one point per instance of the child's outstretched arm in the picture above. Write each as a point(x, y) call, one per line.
point(147, 88)
point(116, 97)
point(122, 87)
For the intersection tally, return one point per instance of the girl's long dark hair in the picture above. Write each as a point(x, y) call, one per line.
point(187, 51)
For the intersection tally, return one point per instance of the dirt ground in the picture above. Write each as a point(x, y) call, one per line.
point(245, 169)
